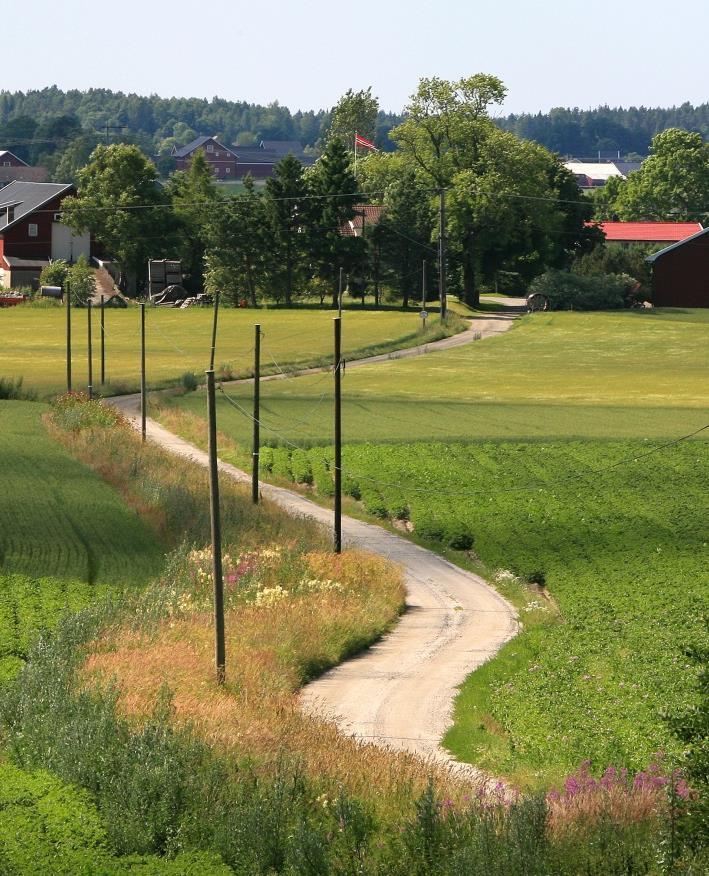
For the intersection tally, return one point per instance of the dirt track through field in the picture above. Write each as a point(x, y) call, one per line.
point(399, 693)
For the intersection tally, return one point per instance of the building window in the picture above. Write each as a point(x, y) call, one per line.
point(228, 170)
point(7, 164)
point(210, 147)
point(32, 229)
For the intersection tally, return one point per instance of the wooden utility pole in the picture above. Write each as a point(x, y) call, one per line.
point(103, 341)
point(423, 285)
point(68, 337)
point(214, 330)
point(339, 296)
point(442, 250)
point(90, 387)
point(143, 392)
point(338, 434)
point(217, 573)
point(257, 416)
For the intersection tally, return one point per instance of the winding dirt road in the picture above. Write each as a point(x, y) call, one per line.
point(399, 693)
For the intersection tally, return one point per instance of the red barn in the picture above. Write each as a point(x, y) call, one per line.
point(220, 158)
point(680, 273)
point(9, 159)
point(32, 233)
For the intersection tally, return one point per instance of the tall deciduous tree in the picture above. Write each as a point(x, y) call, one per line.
point(288, 211)
point(356, 111)
point(405, 232)
point(122, 205)
point(672, 184)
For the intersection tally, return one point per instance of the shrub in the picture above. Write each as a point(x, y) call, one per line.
point(81, 282)
point(54, 274)
point(458, 535)
point(189, 381)
point(11, 388)
point(568, 291)
point(428, 527)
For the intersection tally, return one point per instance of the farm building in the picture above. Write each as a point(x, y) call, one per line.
point(220, 158)
point(260, 160)
point(32, 233)
point(13, 168)
point(9, 159)
point(680, 273)
point(594, 174)
point(661, 233)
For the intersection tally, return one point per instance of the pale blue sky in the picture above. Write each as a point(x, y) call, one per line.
point(306, 54)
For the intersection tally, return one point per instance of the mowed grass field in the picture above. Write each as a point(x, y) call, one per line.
point(545, 445)
point(34, 342)
point(598, 375)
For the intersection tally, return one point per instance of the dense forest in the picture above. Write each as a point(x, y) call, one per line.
point(40, 126)
point(585, 133)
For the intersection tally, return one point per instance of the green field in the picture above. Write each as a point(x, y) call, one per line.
point(535, 447)
point(57, 518)
point(594, 375)
point(621, 541)
point(34, 342)
point(65, 535)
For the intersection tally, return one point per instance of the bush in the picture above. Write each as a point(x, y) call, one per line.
point(458, 535)
point(568, 291)
point(54, 274)
point(81, 282)
point(189, 381)
point(611, 259)
point(11, 388)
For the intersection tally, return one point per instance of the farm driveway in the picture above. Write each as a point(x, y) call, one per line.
point(399, 693)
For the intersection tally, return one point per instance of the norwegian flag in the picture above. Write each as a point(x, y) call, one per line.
point(364, 143)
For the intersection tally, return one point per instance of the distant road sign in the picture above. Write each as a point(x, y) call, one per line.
point(423, 314)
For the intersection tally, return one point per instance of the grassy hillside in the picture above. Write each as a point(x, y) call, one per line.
point(34, 342)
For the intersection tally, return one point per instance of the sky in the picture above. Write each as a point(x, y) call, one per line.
point(306, 54)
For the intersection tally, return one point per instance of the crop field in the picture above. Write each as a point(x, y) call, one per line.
point(621, 542)
point(57, 518)
point(600, 375)
point(178, 341)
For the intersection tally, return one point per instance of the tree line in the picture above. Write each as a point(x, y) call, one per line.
point(508, 205)
point(60, 129)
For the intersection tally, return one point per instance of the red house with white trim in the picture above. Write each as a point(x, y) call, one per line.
point(32, 233)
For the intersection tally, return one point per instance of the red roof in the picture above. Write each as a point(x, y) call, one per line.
point(365, 214)
point(651, 232)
